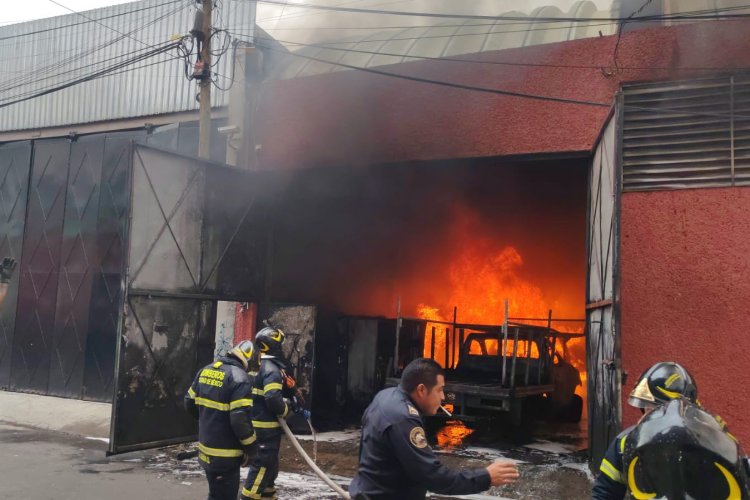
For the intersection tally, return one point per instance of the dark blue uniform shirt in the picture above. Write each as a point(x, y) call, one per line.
point(610, 483)
point(395, 461)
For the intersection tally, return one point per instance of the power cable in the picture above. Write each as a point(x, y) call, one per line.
point(443, 83)
point(36, 75)
point(619, 34)
point(101, 24)
point(714, 14)
point(446, 83)
point(326, 46)
point(92, 76)
point(79, 68)
point(67, 61)
point(56, 28)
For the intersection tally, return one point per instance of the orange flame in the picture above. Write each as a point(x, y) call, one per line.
point(479, 283)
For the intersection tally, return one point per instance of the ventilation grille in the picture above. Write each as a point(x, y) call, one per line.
point(687, 134)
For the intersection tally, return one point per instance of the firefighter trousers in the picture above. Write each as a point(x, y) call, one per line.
point(264, 468)
point(223, 484)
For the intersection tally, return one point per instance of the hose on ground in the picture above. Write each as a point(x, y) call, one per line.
point(335, 487)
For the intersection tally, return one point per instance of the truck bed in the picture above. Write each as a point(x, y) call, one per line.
point(493, 390)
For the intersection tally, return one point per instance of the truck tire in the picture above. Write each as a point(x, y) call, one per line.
point(573, 411)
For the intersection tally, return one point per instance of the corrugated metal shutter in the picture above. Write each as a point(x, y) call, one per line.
point(687, 134)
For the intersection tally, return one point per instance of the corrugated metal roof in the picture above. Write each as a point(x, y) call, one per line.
point(67, 47)
point(64, 48)
point(447, 39)
point(454, 37)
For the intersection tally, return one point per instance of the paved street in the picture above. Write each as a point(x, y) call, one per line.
point(44, 465)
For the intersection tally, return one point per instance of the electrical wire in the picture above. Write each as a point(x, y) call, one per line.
point(483, 61)
point(446, 83)
point(56, 28)
point(675, 111)
point(619, 34)
point(35, 75)
point(92, 76)
point(714, 14)
point(136, 55)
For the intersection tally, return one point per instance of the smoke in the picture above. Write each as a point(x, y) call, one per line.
point(357, 241)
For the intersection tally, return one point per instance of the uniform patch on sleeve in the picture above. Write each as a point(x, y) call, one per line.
point(417, 437)
point(412, 410)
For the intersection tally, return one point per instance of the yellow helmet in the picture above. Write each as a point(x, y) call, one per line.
point(269, 340)
point(245, 352)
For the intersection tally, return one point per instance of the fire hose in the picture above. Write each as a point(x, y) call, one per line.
point(322, 475)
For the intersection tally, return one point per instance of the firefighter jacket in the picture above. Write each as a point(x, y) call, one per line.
point(610, 483)
point(220, 397)
point(395, 461)
point(268, 401)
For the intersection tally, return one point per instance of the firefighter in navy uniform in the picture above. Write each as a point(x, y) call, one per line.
point(657, 386)
point(221, 399)
point(268, 405)
point(395, 461)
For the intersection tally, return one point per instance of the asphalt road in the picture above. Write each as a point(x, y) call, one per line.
point(41, 465)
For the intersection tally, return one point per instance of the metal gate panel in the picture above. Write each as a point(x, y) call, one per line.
point(78, 265)
point(15, 163)
point(234, 233)
point(166, 222)
point(37, 297)
point(603, 357)
point(107, 287)
point(162, 342)
point(196, 236)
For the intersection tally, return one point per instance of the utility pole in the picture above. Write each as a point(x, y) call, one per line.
point(204, 140)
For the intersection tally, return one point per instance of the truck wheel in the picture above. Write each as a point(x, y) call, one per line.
point(573, 411)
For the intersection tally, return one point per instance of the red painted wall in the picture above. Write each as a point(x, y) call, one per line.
point(245, 318)
point(351, 118)
point(685, 289)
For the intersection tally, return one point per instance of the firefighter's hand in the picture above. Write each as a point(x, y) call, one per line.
point(502, 473)
point(246, 458)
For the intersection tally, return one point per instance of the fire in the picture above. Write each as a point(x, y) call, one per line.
point(479, 283)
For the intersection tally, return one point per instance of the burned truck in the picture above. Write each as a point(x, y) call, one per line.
point(507, 371)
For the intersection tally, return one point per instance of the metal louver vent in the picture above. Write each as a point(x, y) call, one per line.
point(687, 134)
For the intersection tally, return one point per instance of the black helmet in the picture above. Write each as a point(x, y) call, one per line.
point(245, 352)
point(269, 340)
point(662, 383)
point(681, 451)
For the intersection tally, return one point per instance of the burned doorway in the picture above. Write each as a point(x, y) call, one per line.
point(420, 241)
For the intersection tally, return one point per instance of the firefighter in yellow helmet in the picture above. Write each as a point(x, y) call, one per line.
point(660, 384)
point(221, 399)
point(680, 451)
point(268, 405)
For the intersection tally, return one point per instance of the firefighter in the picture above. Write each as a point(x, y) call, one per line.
point(268, 405)
point(6, 271)
point(679, 450)
point(221, 399)
point(658, 385)
point(395, 461)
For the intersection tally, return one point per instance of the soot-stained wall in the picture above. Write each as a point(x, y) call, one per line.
point(685, 266)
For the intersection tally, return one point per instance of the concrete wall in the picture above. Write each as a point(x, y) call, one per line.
point(685, 290)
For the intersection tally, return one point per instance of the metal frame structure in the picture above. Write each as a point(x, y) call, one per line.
point(196, 235)
point(602, 289)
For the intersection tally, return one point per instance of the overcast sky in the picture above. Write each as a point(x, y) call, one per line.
point(14, 11)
